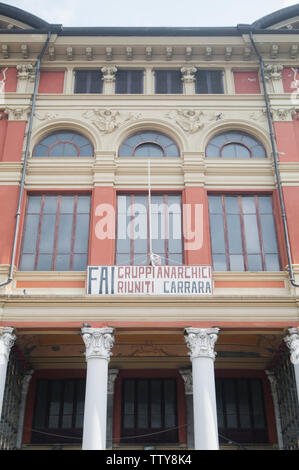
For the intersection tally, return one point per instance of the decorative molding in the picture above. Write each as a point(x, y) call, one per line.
point(52, 53)
point(293, 51)
point(17, 114)
point(188, 53)
point(129, 53)
point(148, 53)
point(283, 114)
point(274, 51)
point(273, 71)
point(98, 342)
point(7, 340)
point(201, 342)
point(189, 120)
point(112, 376)
point(109, 72)
point(188, 74)
point(188, 380)
point(25, 51)
point(106, 120)
point(5, 51)
point(69, 53)
point(228, 53)
point(89, 53)
point(24, 71)
point(292, 341)
point(46, 116)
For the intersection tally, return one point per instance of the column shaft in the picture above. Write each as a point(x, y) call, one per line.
point(204, 403)
point(201, 344)
point(99, 342)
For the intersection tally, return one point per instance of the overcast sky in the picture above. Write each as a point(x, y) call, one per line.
point(150, 12)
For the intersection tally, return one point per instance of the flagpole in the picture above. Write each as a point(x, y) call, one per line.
point(150, 208)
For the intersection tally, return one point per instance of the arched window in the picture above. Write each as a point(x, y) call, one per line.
point(64, 144)
point(149, 144)
point(234, 144)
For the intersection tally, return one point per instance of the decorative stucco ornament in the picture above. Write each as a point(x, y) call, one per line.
point(98, 342)
point(7, 340)
point(189, 120)
point(201, 341)
point(107, 120)
point(292, 341)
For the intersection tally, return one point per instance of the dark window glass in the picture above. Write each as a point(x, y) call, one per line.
point(234, 144)
point(149, 410)
point(168, 82)
point(241, 410)
point(133, 237)
point(56, 233)
point(209, 81)
point(64, 144)
point(88, 81)
point(243, 233)
point(58, 416)
point(145, 144)
point(129, 82)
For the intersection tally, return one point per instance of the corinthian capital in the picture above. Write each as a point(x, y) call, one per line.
point(109, 72)
point(188, 74)
point(201, 341)
point(7, 340)
point(292, 341)
point(98, 342)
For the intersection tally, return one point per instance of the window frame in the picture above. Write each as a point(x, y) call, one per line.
point(162, 436)
point(58, 214)
point(238, 143)
point(170, 82)
point(63, 141)
point(242, 229)
point(149, 141)
point(42, 435)
point(129, 79)
point(209, 81)
point(239, 433)
point(89, 78)
point(132, 254)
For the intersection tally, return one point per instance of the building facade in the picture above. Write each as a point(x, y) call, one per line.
point(149, 256)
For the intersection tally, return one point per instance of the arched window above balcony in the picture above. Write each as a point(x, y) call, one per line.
point(64, 144)
point(149, 144)
point(236, 145)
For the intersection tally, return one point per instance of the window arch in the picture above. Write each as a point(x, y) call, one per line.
point(64, 144)
point(235, 144)
point(149, 144)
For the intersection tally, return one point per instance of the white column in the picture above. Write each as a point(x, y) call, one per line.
point(201, 343)
point(25, 386)
point(98, 342)
point(7, 340)
point(292, 341)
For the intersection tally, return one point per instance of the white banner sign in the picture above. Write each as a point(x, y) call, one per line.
point(149, 280)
